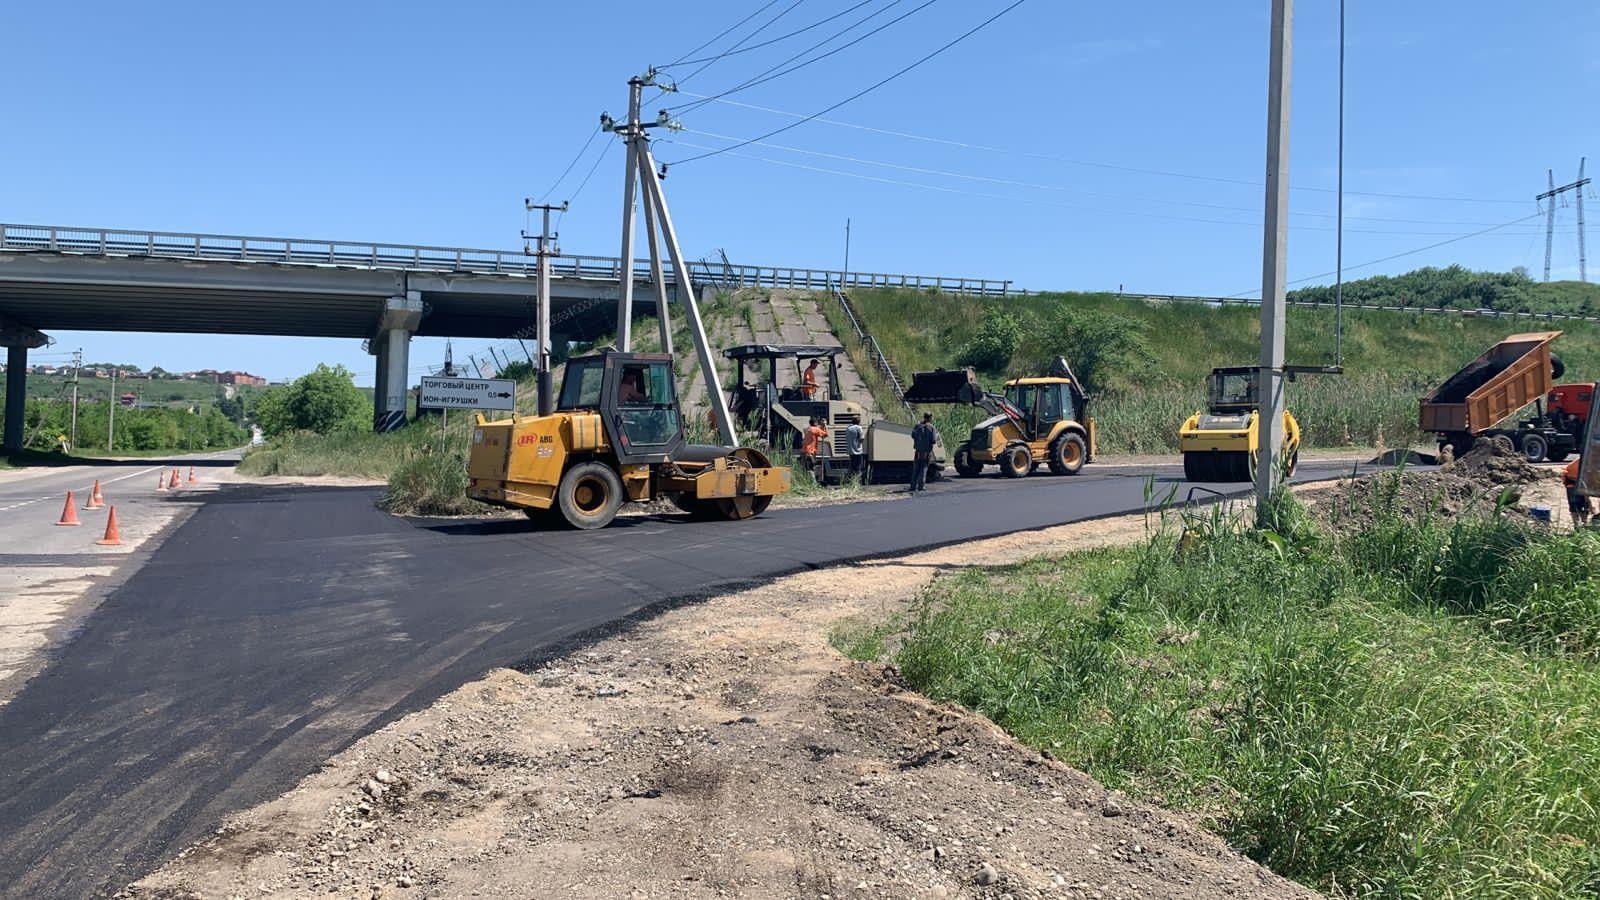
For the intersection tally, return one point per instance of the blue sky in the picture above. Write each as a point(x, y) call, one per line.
point(421, 123)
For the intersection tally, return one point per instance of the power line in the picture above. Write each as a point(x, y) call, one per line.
point(869, 89)
point(1029, 200)
point(1394, 256)
point(737, 44)
point(722, 34)
point(772, 72)
point(585, 183)
point(1047, 187)
point(771, 41)
point(564, 172)
point(1068, 160)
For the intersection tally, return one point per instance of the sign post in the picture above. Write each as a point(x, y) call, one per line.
point(467, 393)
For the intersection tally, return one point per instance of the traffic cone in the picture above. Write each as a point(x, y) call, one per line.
point(191, 474)
point(113, 537)
point(95, 500)
point(161, 482)
point(175, 482)
point(69, 514)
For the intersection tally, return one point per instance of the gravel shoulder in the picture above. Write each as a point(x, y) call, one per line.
point(720, 748)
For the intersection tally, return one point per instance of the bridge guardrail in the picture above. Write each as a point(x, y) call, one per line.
point(418, 257)
point(424, 258)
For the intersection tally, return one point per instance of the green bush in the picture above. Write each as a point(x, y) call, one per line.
point(430, 484)
point(997, 339)
point(321, 401)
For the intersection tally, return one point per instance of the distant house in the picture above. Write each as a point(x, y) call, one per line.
point(128, 399)
point(240, 378)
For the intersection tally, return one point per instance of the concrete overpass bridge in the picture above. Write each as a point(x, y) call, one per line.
point(98, 279)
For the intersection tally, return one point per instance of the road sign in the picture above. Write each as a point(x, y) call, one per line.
point(467, 393)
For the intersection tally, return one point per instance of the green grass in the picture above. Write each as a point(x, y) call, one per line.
point(1406, 710)
point(1390, 358)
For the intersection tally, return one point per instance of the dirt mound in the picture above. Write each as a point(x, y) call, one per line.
point(1471, 484)
point(1494, 461)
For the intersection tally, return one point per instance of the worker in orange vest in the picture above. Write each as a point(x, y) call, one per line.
point(1576, 502)
point(808, 381)
point(811, 443)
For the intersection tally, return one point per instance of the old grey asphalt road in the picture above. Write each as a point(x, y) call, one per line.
point(277, 625)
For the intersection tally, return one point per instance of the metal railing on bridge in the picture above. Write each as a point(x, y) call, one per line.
point(423, 258)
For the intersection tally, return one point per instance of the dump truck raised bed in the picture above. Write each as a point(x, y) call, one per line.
point(1508, 376)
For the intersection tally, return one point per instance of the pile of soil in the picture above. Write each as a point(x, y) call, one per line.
point(1469, 485)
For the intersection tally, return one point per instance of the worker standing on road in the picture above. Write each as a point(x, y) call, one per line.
point(811, 444)
point(1577, 503)
point(923, 437)
point(855, 442)
point(808, 381)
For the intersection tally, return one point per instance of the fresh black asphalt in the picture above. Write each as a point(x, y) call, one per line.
point(278, 625)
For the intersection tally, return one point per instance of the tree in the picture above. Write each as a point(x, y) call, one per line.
point(1097, 344)
point(992, 347)
point(323, 400)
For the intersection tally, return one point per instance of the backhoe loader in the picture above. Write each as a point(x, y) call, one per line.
point(615, 435)
point(1040, 419)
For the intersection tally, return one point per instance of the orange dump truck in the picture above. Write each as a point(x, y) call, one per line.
point(1491, 389)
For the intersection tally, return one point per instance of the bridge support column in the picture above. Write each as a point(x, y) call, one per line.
point(392, 347)
point(17, 339)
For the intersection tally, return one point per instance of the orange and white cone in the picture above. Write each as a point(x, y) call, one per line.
point(95, 500)
point(113, 537)
point(176, 481)
point(69, 513)
point(161, 482)
point(191, 475)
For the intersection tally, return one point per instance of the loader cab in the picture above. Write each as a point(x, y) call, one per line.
point(636, 397)
point(1042, 401)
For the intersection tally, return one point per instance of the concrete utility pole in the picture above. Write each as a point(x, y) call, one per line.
point(111, 413)
point(546, 250)
point(77, 363)
point(632, 133)
point(1274, 246)
point(642, 171)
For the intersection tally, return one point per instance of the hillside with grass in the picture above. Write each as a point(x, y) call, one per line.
point(1155, 376)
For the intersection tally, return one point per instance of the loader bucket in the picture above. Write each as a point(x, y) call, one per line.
point(944, 386)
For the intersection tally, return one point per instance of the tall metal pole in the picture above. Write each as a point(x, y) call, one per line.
point(663, 317)
point(691, 308)
point(633, 134)
point(1338, 240)
point(1274, 246)
point(1583, 262)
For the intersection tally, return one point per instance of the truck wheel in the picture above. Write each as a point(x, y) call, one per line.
point(1534, 447)
point(1196, 467)
point(590, 495)
point(1016, 461)
point(966, 467)
point(1067, 454)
